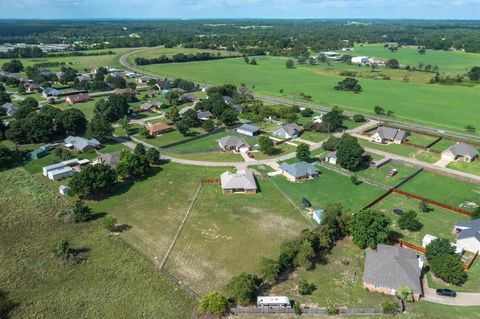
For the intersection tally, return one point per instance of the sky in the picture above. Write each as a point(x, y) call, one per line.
point(152, 9)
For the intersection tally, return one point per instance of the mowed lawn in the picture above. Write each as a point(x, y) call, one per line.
point(228, 234)
point(472, 168)
point(438, 222)
point(443, 189)
point(402, 150)
point(381, 174)
point(155, 206)
point(434, 105)
point(338, 280)
point(330, 187)
point(114, 281)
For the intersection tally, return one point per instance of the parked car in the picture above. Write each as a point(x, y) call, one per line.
point(446, 293)
point(393, 172)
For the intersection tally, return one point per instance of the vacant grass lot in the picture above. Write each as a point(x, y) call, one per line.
point(114, 282)
point(442, 145)
point(438, 222)
point(328, 188)
point(434, 105)
point(155, 206)
point(420, 139)
point(211, 142)
point(223, 232)
point(443, 189)
point(402, 150)
point(338, 278)
point(381, 174)
point(208, 157)
point(314, 136)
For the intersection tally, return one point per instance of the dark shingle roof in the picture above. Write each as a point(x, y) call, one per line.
point(392, 267)
point(299, 169)
point(462, 149)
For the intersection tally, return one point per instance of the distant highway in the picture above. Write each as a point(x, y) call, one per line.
point(316, 106)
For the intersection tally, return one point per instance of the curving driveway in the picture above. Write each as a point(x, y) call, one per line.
point(462, 298)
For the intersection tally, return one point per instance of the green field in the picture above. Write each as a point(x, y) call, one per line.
point(442, 145)
point(456, 62)
point(420, 139)
point(472, 168)
point(438, 222)
point(330, 187)
point(333, 279)
point(443, 189)
point(381, 174)
point(157, 52)
point(113, 282)
point(434, 105)
point(225, 231)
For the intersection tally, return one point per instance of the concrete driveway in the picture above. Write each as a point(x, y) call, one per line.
point(442, 162)
point(462, 298)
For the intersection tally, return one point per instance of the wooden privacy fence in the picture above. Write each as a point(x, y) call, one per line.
point(211, 181)
point(468, 265)
point(418, 249)
point(435, 203)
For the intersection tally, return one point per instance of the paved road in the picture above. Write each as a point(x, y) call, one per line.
point(316, 106)
point(462, 299)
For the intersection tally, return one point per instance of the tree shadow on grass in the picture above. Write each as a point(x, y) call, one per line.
point(122, 228)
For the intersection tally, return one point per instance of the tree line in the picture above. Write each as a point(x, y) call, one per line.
point(181, 57)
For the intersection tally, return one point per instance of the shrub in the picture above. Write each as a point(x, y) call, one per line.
point(109, 223)
point(242, 288)
point(409, 221)
point(214, 303)
point(297, 309)
point(449, 268)
point(358, 118)
point(405, 293)
point(390, 307)
point(81, 213)
point(305, 288)
point(332, 310)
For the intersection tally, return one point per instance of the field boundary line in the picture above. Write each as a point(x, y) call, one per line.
point(172, 244)
point(288, 198)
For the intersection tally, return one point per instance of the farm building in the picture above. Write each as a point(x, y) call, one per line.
point(360, 59)
point(63, 169)
point(110, 159)
point(317, 215)
point(10, 109)
point(468, 235)
point(81, 144)
point(241, 182)
point(158, 128)
point(40, 152)
point(233, 143)
point(292, 130)
point(273, 302)
point(77, 98)
point(385, 135)
point(460, 151)
point(299, 172)
point(63, 190)
point(249, 130)
point(389, 267)
point(331, 158)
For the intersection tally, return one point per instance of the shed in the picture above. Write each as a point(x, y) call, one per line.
point(63, 189)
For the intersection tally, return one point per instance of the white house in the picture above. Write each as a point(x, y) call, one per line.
point(331, 158)
point(292, 130)
point(468, 235)
point(460, 151)
point(249, 130)
point(385, 135)
point(360, 59)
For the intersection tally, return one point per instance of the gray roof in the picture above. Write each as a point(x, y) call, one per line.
point(243, 179)
point(204, 114)
point(238, 108)
point(110, 159)
point(249, 128)
point(148, 105)
point(81, 143)
point(227, 99)
point(470, 229)
point(392, 267)
point(232, 141)
point(51, 91)
point(390, 133)
point(462, 149)
point(299, 169)
point(332, 154)
point(292, 128)
point(10, 108)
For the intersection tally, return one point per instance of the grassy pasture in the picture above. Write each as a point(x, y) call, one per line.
point(114, 282)
point(328, 188)
point(472, 168)
point(447, 190)
point(456, 62)
point(223, 231)
point(157, 52)
point(332, 276)
point(381, 174)
point(434, 105)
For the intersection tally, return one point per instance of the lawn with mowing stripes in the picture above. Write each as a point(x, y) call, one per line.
point(443, 189)
point(381, 174)
point(227, 234)
point(330, 187)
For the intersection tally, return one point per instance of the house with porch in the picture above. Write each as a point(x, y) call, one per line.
point(233, 143)
point(385, 135)
point(288, 131)
point(460, 151)
point(299, 172)
point(242, 181)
